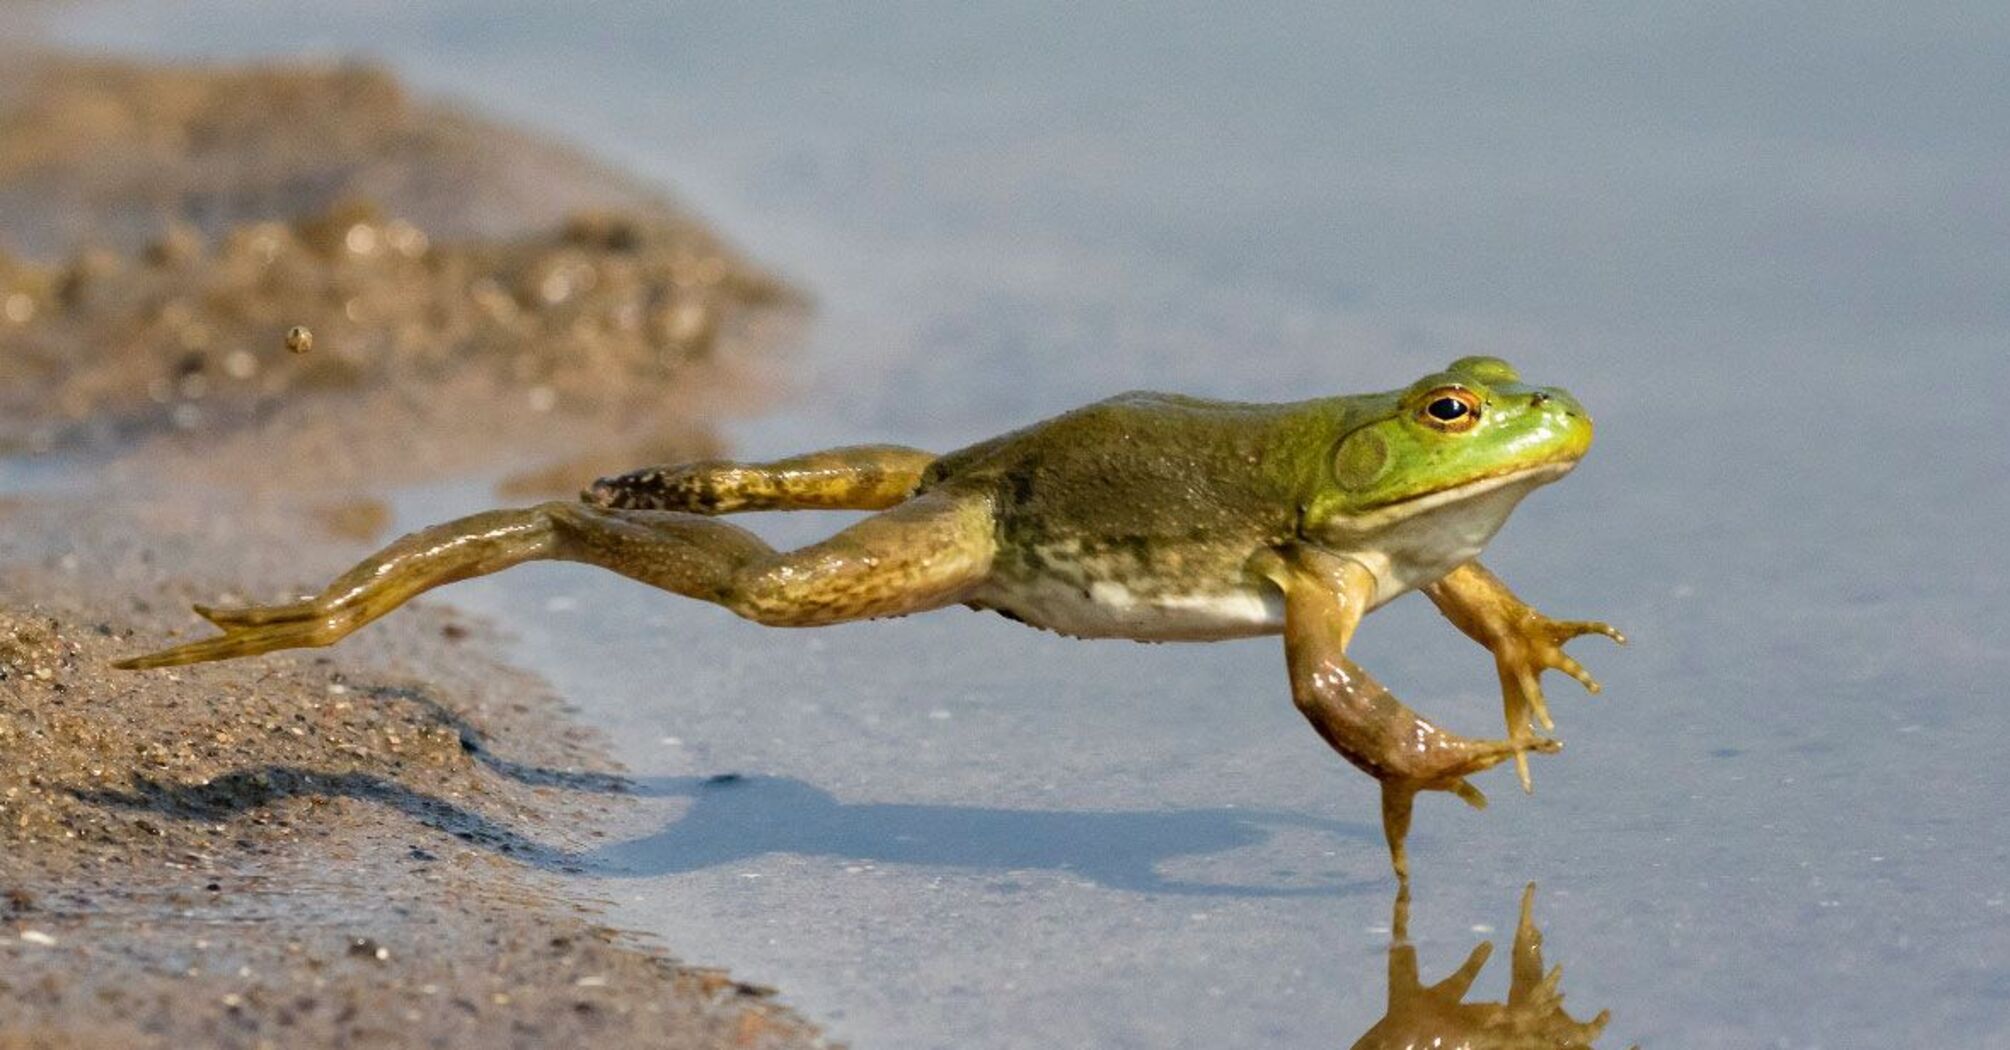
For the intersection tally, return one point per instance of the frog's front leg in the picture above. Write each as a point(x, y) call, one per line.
point(857, 477)
point(1524, 642)
point(1325, 596)
point(924, 554)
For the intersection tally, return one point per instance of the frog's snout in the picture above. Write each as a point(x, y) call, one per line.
point(1556, 403)
point(1564, 418)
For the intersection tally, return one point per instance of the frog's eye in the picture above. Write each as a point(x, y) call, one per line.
point(1450, 408)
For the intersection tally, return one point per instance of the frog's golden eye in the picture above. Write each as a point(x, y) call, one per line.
point(1450, 408)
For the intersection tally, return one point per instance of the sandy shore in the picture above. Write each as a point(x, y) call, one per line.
point(317, 848)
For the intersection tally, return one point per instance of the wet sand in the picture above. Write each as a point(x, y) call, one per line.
point(353, 847)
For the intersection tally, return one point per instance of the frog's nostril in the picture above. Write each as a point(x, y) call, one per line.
point(1538, 398)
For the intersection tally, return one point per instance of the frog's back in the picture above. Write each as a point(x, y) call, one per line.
point(1140, 464)
point(1135, 516)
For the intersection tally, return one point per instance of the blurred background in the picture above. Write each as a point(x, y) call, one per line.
point(1768, 246)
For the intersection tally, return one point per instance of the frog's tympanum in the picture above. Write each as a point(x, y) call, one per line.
point(1532, 1018)
point(1147, 516)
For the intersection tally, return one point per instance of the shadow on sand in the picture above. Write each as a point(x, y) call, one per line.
point(733, 818)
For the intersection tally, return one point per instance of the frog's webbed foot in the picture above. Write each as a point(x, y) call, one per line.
point(1524, 643)
point(246, 640)
point(256, 615)
point(472, 546)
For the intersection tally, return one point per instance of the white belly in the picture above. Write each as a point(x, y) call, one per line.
point(1426, 542)
point(1403, 548)
point(1104, 609)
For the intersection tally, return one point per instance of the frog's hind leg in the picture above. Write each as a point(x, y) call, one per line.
point(857, 477)
point(924, 554)
point(1325, 596)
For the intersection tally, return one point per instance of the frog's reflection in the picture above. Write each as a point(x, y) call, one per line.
point(1532, 1017)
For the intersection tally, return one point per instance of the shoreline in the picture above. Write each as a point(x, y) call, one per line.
point(324, 846)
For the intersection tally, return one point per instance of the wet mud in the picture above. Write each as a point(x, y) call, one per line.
point(343, 847)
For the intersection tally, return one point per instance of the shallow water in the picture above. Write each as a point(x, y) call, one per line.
point(1766, 249)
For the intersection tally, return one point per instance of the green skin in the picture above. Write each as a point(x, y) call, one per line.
point(1148, 516)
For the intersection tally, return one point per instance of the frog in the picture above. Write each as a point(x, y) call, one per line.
point(1149, 516)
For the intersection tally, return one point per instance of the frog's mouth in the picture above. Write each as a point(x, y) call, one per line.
point(1426, 502)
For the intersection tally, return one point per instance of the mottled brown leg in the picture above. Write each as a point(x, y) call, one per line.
point(921, 555)
point(859, 477)
point(1325, 597)
point(1524, 642)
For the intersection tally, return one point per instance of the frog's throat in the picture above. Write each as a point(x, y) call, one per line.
point(1372, 521)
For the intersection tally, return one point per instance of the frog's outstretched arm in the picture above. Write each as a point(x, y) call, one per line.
point(857, 477)
point(1325, 597)
point(923, 554)
point(1524, 642)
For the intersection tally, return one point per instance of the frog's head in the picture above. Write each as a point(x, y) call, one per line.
point(1470, 431)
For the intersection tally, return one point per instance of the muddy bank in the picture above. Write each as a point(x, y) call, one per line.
point(324, 850)
point(608, 334)
point(495, 301)
point(341, 847)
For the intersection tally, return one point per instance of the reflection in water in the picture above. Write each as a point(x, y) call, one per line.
point(1533, 1017)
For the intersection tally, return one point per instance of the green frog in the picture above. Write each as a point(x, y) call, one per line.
point(1148, 516)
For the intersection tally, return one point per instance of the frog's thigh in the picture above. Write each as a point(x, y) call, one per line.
point(1324, 599)
point(923, 554)
point(857, 477)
